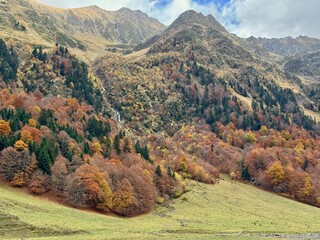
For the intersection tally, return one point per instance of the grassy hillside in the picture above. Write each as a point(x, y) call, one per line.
point(87, 31)
point(227, 210)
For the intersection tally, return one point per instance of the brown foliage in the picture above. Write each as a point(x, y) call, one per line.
point(13, 162)
point(35, 133)
point(40, 183)
point(59, 175)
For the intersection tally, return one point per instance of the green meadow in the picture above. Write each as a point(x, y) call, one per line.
point(226, 210)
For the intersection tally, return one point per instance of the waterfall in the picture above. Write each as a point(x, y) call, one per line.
point(117, 116)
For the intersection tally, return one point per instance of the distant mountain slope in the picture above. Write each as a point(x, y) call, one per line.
point(304, 64)
point(205, 37)
point(283, 46)
point(88, 28)
point(194, 57)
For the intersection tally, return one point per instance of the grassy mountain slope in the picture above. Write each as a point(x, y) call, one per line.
point(304, 64)
point(229, 210)
point(89, 29)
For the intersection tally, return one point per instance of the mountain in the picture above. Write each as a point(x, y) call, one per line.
point(88, 29)
point(196, 79)
point(191, 17)
point(204, 36)
point(192, 60)
point(307, 64)
point(128, 130)
point(284, 46)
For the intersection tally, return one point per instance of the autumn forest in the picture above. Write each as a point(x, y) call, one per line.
point(131, 130)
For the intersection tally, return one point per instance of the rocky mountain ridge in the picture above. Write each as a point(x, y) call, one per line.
point(88, 29)
point(283, 47)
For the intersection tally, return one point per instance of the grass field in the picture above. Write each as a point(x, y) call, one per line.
point(228, 210)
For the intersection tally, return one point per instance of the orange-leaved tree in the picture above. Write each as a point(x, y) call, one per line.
point(5, 128)
point(89, 188)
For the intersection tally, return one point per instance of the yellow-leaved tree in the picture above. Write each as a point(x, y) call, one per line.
point(32, 122)
point(276, 173)
point(97, 147)
point(251, 138)
point(124, 199)
point(5, 128)
point(20, 145)
point(26, 136)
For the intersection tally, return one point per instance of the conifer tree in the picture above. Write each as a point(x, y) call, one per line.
point(44, 162)
point(35, 52)
point(116, 144)
point(158, 171)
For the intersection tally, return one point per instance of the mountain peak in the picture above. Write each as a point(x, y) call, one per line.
point(125, 9)
point(192, 17)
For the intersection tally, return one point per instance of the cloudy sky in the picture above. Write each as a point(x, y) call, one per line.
point(260, 18)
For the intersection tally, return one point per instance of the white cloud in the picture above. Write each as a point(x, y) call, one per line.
point(273, 18)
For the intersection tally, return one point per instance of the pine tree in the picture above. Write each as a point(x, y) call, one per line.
point(86, 149)
point(181, 67)
point(116, 144)
point(70, 155)
point(4, 142)
point(62, 70)
point(158, 171)
point(137, 147)
point(35, 52)
point(44, 161)
point(145, 153)
point(40, 54)
point(245, 175)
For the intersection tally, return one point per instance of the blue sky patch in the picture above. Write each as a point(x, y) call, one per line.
point(162, 3)
point(219, 3)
